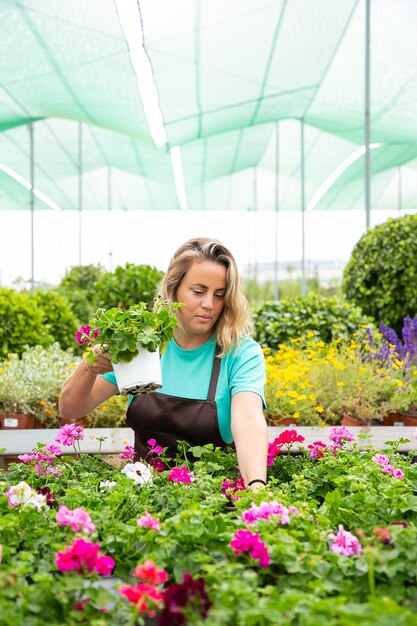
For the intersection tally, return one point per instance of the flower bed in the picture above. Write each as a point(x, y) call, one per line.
point(331, 539)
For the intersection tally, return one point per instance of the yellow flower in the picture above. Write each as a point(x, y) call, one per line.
point(340, 384)
point(319, 409)
point(42, 402)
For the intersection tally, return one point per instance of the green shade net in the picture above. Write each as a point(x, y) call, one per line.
point(234, 80)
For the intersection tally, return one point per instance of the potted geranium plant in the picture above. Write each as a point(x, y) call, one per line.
point(134, 339)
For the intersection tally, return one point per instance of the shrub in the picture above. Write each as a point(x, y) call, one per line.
point(78, 286)
point(59, 320)
point(127, 286)
point(381, 275)
point(32, 383)
point(326, 318)
point(22, 322)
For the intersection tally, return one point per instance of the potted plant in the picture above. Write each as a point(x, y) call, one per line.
point(134, 339)
point(30, 386)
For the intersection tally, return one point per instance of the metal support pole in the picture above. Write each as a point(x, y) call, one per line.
point(400, 192)
point(255, 225)
point(80, 190)
point(32, 206)
point(110, 220)
point(276, 207)
point(303, 210)
point(367, 113)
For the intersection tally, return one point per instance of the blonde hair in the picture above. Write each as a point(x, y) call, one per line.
point(235, 321)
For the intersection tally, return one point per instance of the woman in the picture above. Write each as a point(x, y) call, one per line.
point(213, 373)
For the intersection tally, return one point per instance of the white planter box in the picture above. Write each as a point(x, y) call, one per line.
point(22, 441)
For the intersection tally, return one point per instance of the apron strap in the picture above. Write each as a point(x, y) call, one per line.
point(214, 374)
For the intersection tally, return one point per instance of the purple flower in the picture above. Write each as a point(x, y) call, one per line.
point(179, 595)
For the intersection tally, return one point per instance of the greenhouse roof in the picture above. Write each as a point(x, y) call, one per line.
point(122, 92)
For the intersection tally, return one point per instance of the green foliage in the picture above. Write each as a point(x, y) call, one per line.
point(381, 276)
point(22, 322)
point(305, 584)
point(59, 320)
point(78, 286)
point(327, 318)
point(120, 331)
point(127, 286)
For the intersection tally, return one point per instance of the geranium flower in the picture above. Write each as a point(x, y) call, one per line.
point(83, 335)
point(149, 521)
point(23, 494)
point(157, 464)
point(247, 541)
point(129, 453)
point(181, 475)
point(265, 510)
point(178, 595)
point(340, 434)
point(138, 472)
point(380, 459)
point(78, 519)
point(144, 596)
point(82, 556)
point(316, 448)
point(69, 434)
point(229, 488)
point(149, 572)
point(344, 542)
point(154, 448)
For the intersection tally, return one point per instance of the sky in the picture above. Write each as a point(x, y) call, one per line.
point(151, 237)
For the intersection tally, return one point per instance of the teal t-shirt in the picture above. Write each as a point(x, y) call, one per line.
point(186, 374)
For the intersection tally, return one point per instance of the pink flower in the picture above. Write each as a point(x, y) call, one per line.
point(344, 542)
point(340, 434)
point(154, 449)
point(229, 488)
point(52, 450)
point(83, 335)
point(247, 541)
point(288, 436)
point(266, 510)
point(274, 448)
point(181, 475)
point(316, 449)
point(149, 521)
point(69, 434)
point(78, 519)
point(82, 556)
point(380, 459)
point(398, 473)
point(388, 468)
point(149, 572)
point(25, 458)
point(128, 454)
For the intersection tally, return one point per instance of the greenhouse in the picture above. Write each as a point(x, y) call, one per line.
point(259, 467)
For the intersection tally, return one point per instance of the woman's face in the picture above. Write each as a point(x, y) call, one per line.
point(202, 290)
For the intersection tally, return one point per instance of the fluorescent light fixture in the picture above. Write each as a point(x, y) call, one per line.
point(25, 183)
point(130, 21)
point(175, 154)
point(330, 180)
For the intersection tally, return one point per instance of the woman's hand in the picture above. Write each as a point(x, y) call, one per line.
point(102, 363)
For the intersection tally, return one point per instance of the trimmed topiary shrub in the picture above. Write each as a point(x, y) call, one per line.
point(328, 318)
point(59, 319)
point(381, 275)
point(127, 286)
point(22, 322)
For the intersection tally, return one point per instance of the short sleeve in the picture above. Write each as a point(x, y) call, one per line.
point(110, 377)
point(247, 371)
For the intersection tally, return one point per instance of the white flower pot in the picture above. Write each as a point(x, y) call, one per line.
point(141, 375)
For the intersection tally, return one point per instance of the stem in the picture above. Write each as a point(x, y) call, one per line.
point(371, 577)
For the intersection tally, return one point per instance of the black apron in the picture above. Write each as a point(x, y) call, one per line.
point(170, 419)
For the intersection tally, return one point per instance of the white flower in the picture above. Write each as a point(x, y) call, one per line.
point(37, 501)
point(138, 472)
point(107, 484)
